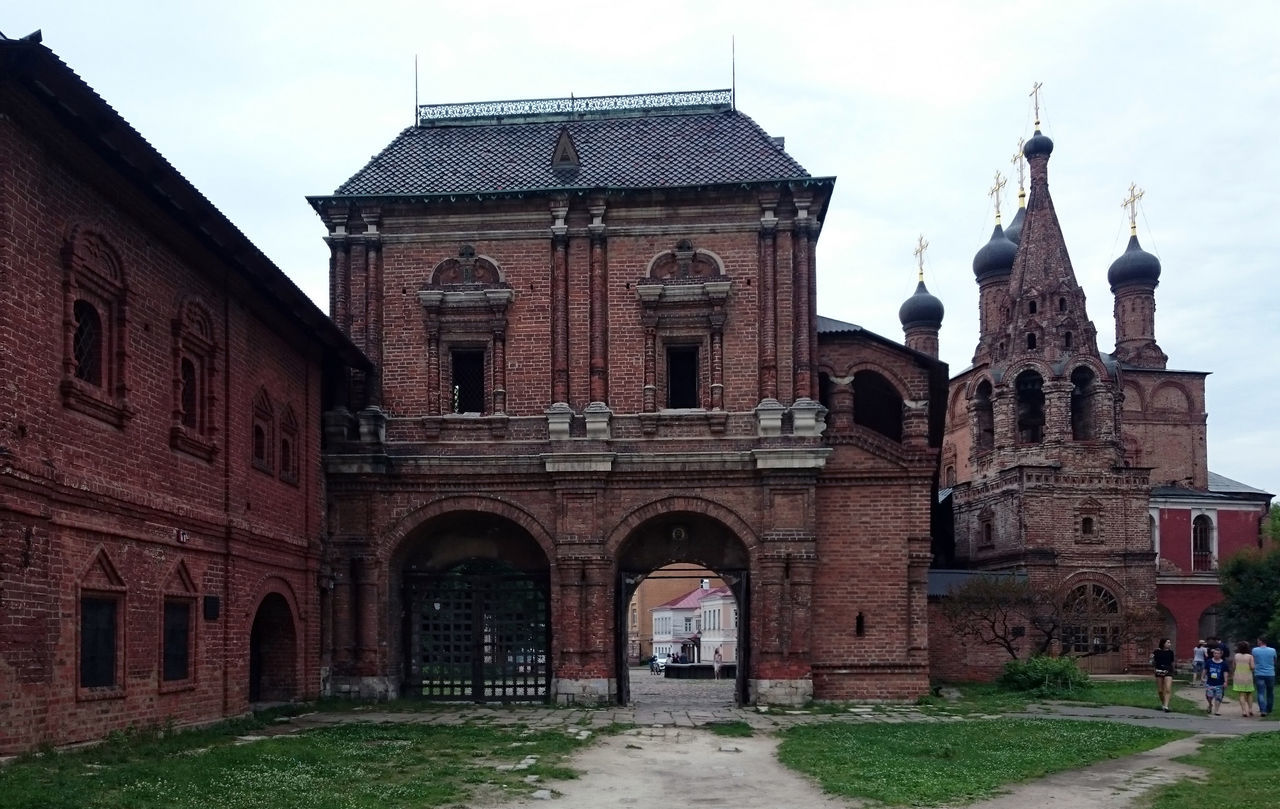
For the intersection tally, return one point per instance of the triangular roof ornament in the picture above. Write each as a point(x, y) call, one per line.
point(565, 155)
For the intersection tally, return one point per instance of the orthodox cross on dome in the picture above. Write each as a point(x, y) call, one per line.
point(1035, 99)
point(995, 192)
point(1131, 202)
point(921, 246)
point(1017, 161)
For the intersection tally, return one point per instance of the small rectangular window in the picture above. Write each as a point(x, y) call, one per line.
point(468, 380)
point(682, 377)
point(177, 640)
point(97, 642)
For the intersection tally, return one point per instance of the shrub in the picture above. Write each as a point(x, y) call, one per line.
point(1045, 677)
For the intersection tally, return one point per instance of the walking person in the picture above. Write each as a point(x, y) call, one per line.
point(1264, 676)
point(1215, 678)
point(1242, 686)
point(1198, 656)
point(716, 661)
point(1163, 663)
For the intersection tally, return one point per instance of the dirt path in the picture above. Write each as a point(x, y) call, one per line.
point(661, 767)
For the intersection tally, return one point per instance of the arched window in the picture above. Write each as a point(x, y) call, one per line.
point(1066, 340)
point(1203, 546)
point(1031, 307)
point(1083, 419)
point(1062, 304)
point(87, 343)
point(264, 424)
point(194, 426)
point(1090, 621)
point(877, 404)
point(289, 446)
point(1031, 341)
point(1030, 390)
point(95, 323)
point(984, 416)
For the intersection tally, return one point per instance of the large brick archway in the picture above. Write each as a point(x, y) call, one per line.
point(660, 538)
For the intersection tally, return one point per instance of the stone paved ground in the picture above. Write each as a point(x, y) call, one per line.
point(667, 753)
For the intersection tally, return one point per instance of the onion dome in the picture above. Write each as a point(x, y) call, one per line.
point(996, 256)
point(1135, 266)
point(1014, 232)
point(1039, 144)
point(921, 309)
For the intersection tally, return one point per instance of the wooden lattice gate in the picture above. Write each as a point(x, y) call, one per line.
point(479, 632)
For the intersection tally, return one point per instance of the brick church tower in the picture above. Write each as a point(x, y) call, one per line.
point(1034, 451)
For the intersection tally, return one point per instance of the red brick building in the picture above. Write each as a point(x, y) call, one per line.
point(160, 489)
point(597, 352)
point(1084, 471)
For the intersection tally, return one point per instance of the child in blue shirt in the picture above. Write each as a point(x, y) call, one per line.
point(1215, 678)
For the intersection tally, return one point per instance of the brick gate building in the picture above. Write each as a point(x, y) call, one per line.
point(597, 349)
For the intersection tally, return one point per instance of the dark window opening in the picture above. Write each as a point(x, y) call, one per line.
point(877, 405)
point(1031, 307)
point(682, 376)
point(824, 389)
point(1066, 340)
point(97, 642)
point(1202, 544)
point(259, 444)
point(984, 414)
point(87, 343)
point(1031, 341)
point(1086, 526)
point(286, 457)
point(1083, 423)
point(177, 640)
point(988, 533)
point(190, 396)
point(949, 476)
point(468, 380)
point(1062, 304)
point(860, 625)
point(1030, 390)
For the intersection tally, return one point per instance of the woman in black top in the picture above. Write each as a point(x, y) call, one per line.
point(1162, 662)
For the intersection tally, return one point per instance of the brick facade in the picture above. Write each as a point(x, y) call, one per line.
point(131, 509)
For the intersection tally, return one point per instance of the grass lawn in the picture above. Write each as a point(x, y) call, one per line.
point(341, 767)
point(1243, 774)
point(927, 764)
point(1137, 694)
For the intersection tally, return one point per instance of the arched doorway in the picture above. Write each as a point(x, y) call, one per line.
point(698, 540)
point(273, 652)
point(1092, 629)
point(474, 609)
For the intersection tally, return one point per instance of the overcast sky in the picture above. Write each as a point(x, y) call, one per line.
point(912, 106)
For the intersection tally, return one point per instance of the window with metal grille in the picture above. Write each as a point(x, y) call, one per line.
point(97, 641)
point(87, 343)
point(468, 380)
point(177, 640)
point(682, 376)
point(1202, 544)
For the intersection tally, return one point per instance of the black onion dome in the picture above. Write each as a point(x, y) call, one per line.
point(996, 256)
point(1039, 144)
point(921, 309)
point(1014, 232)
point(1135, 266)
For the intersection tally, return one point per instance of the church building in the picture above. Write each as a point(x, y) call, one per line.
point(1083, 470)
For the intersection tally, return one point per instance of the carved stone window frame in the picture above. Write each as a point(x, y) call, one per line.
point(262, 453)
point(289, 453)
point(93, 272)
point(466, 305)
point(195, 342)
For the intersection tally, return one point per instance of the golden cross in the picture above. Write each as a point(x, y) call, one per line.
point(1035, 96)
point(996, 190)
point(921, 246)
point(1017, 161)
point(1131, 202)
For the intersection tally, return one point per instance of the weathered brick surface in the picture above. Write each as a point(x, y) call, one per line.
point(842, 530)
point(87, 505)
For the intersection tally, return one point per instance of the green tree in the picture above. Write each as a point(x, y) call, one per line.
point(1271, 525)
point(1251, 592)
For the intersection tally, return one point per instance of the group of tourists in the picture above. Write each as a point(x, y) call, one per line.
point(1249, 671)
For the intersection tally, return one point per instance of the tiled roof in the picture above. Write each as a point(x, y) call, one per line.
point(1225, 485)
point(691, 599)
point(643, 151)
